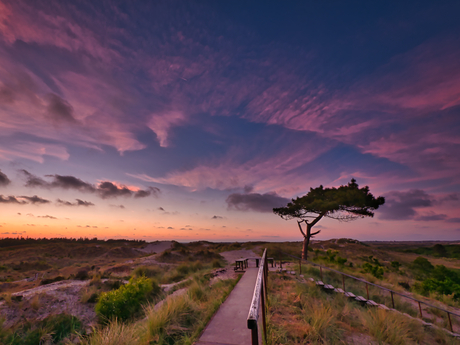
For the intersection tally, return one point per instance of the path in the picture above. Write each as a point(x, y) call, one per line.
point(229, 324)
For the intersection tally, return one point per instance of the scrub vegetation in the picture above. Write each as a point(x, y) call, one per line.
point(301, 313)
point(133, 297)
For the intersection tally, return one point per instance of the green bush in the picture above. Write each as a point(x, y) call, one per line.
point(396, 265)
point(443, 281)
point(341, 261)
point(376, 271)
point(125, 302)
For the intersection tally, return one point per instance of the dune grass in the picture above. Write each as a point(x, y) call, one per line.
point(178, 320)
point(302, 313)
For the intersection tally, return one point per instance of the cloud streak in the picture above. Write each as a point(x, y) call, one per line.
point(77, 202)
point(255, 202)
point(105, 189)
point(4, 180)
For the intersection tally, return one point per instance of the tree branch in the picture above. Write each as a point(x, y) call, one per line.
point(317, 219)
point(315, 233)
point(298, 223)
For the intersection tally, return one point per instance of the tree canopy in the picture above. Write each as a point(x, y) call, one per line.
point(344, 203)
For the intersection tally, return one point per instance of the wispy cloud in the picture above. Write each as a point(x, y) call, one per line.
point(105, 189)
point(255, 202)
point(77, 202)
point(4, 180)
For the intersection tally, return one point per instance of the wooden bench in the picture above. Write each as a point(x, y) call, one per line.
point(241, 264)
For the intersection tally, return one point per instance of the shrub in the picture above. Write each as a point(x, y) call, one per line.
point(376, 270)
point(147, 271)
point(62, 326)
point(216, 263)
point(443, 281)
point(124, 302)
point(82, 275)
point(51, 280)
point(422, 267)
point(341, 261)
point(395, 265)
point(183, 269)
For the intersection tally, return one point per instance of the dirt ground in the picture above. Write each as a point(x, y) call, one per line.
point(64, 296)
point(156, 247)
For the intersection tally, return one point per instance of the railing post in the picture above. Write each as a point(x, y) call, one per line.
point(321, 272)
point(367, 291)
point(392, 299)
point(343, 282)
point(420, 309)
point(255, 336)
point(450, 322)
point(264, 322)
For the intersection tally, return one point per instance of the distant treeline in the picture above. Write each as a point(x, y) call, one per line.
point(438, 250)
point(19, 241)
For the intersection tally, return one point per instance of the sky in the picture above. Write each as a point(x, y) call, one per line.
point(191, 120)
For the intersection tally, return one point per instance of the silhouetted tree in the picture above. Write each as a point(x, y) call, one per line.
point(345, 203)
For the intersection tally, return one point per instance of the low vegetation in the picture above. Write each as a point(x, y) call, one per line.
point(301, 313)
point(130, 312)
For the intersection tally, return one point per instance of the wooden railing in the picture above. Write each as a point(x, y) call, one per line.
point(392, 292)
point(259, 303)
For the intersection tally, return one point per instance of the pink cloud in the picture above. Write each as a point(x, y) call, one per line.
point(34, 151)
point(161, 124)
point(265, 174)
point(19, 21)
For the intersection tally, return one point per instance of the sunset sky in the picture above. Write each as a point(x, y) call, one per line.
point(191, 120)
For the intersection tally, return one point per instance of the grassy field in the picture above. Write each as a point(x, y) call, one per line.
point(171, 294)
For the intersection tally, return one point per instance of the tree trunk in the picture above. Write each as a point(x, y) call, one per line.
point(306, 241)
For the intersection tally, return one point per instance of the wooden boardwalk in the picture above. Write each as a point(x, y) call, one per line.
point(229, 324)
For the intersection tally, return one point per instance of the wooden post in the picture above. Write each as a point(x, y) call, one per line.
point(300, 267)
point(367, 290)
point(254, 336)
point(343, 282)
point(321, 272)
point(392, 299)
point(450, 322)
point(264, 322)
point(420, 309)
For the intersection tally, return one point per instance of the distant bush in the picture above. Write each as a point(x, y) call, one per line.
point(422, 268)
point(82, 275)
point(405, 285)
point(396, 265)
point(443, 281)
point(147, 271)
point(216, 263)
point(376, 271)
point(51, 280)
point(126, 301)
point(341, 261)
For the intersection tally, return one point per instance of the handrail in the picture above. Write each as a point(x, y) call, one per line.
point(258, 301)
point(380, 287)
